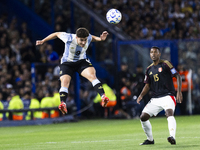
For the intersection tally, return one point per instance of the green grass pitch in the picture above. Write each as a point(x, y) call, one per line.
point(101, 134)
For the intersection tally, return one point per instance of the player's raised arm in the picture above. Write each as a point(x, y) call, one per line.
point(48, 38)
point(102, 37)
point(143, 93)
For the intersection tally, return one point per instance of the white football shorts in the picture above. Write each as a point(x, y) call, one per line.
point(156, 105)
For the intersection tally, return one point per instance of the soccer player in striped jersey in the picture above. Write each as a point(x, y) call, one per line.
point(74, 59)
point(158, 79)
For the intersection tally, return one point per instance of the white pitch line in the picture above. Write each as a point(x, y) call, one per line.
point(100, 141)
point(122, 140)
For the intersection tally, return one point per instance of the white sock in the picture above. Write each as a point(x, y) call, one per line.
point(146, 125)
point(172, 126)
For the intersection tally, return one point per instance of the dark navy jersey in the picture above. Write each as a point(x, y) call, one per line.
point(159, 78)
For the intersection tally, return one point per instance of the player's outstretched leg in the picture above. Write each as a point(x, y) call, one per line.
point(172, 129)
point(146, 125)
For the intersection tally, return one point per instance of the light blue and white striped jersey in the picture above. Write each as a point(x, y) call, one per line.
point(73, 52)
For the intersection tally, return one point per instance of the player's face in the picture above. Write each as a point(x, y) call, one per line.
point(155, 54)
point(81, 41)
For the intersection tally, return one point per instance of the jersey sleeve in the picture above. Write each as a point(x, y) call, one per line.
point(65, 37)
point(146, 77)
point(89, 38)
point(169, 65)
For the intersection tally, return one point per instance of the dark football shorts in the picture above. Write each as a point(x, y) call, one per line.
point(70, 67)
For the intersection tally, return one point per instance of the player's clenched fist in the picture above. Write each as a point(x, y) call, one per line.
point(40, 42)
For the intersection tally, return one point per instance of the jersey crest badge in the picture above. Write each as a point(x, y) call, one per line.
point(150, 73)
point(160, 69)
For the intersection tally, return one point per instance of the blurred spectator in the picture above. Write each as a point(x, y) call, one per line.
point(56, 71)
point(26, 99)
point(1, 107)
point(47, 102)
point(35, 104)
point(138, 85)
point(52, 56)
point(24, 30)
point(108, 111)
point(49, 73)
point(184, 75)
point(123, 76)
point(56, 101)
point(15, 103)
point(13, 33)
point(6, 91)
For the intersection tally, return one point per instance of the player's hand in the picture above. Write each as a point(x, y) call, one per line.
point(39, 42)
point(63, 108)
point(103, 36)
point(179, 97)
point(139, 99)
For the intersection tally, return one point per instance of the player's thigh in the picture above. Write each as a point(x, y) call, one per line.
point(168, 102)
point(89, 73)
point(152, 109)
point(67, 68)
point(87, 70)
point(66, 72)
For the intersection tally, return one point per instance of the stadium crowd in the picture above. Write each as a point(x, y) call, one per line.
point(154, 19)
point(145, 19)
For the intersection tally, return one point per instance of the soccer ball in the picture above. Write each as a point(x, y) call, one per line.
point(113, 16)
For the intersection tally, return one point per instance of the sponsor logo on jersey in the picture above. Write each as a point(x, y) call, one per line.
point(160, 69)
point(100, 87)
point(150, 73)
point(62, 95)
point(173, 71)
point(88, 61)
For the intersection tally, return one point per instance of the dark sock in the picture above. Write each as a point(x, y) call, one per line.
point(99, 88)
point(63, 96)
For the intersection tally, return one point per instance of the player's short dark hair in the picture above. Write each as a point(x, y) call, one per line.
point(82, 33)
point(156, 47)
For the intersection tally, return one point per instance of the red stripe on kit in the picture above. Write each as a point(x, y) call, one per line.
point(173, 99)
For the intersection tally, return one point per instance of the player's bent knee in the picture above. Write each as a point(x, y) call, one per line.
point(91, 77)
point(144, 117)
point(169, 112)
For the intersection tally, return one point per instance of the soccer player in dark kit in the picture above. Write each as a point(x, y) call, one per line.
point(158, 79)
